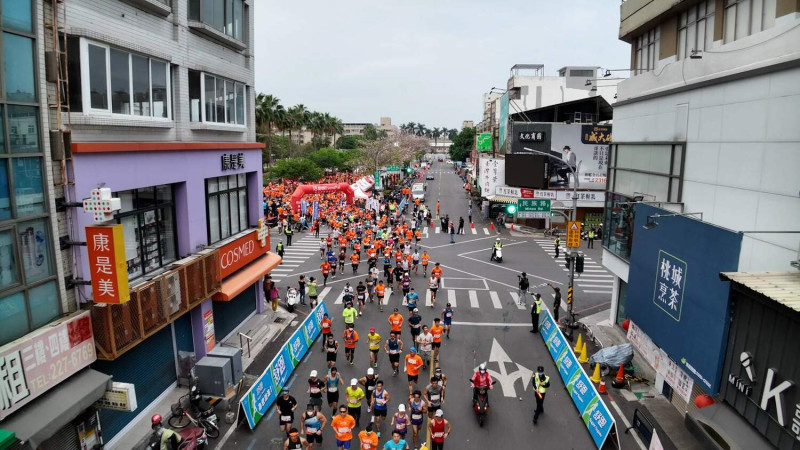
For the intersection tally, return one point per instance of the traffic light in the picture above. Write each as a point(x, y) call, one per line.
point(511, 209)
point(408, 169)
point(579, 264)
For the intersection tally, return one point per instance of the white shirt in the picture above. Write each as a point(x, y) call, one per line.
point(424, 342)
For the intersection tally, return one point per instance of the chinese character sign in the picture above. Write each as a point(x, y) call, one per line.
point(668, 293)
point(232, 161)
point(492, 174)
point(106, 248)
point(35, 363)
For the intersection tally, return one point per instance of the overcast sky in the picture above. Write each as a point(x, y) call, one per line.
point(424, 61)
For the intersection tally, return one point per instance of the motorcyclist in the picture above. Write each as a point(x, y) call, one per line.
point(497, 246)
point(168, 439)
point(480, 378)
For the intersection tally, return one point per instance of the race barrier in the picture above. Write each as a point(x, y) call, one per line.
point(593, 410)
point(257, 400)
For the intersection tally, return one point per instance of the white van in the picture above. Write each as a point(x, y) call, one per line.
point(418, 191)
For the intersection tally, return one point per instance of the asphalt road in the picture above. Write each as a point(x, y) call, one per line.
point(489, 326)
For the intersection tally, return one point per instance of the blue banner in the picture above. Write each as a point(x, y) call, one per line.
point(260, 397)
point(315, 212)
point(593, 411)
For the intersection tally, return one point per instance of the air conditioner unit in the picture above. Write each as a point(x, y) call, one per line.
point(172, 283)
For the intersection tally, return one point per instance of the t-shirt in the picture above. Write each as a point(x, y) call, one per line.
point(437, 331)
point(415, 323)
point(343, 427)
point(396, 321)
point(413, 364)
point(369, 441)
point(424, 341)
point(350, 338)
point(349, 315)
point(374, 340)
point(285, 405)
point(391, 445)
point(354, 396)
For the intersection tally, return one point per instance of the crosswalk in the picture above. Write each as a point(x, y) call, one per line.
point(476, 299)
point(467, 230)
point(594, 280)
point(294, 256)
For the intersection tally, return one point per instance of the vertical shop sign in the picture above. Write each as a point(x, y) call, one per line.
point(208, 329)
point(108, 267)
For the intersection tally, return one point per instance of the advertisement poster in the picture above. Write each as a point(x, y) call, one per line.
point(208, 329)
point(503, 121)
point(260, 397)
point(492, 174)
point(593, 410)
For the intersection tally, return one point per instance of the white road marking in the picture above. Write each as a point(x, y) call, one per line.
point(596, 292)
point(474, 231)
point(428, 298)
point(592, 285)
point(491, 324)
point(515, 296)
point(323, 293)
point(338, 300)
point(485, 231)
point(437, 230)
point(451, 298)
point(473, 299)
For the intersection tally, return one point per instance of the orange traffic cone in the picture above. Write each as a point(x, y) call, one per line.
point(602, 388)
point(620, 374)
point(491, 225)
point(512, 227)
point(472, 225)
point(431, 224)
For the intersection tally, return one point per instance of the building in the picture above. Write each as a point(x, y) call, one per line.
point(705, 127)
point(154, 125)
point(467, 124)
point(357, 129)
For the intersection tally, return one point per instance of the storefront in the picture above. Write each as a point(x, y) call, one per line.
point(185, 211)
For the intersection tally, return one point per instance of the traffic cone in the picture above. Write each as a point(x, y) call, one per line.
point(512, 227)
point(602, 388)
point(472, 225)
point(579, 344)
point(431, 224)
point(491, 225)
point(583, 359)
point(619, 381)
point(596, 377)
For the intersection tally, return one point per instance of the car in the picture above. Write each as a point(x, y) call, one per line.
point(429, 177)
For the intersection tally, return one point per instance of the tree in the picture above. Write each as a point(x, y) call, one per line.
point(298, 117)
point(348, 142)
point(370, 133)
point(267, 107)
point(329, 159)
point(462, 144)
point(296, 168)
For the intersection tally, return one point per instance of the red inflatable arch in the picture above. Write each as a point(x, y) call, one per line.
point(307, 189)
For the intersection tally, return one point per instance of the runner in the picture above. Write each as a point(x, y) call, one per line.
point(436, 331)
point(312, 291)
point(294, 441)
point(396, 322)
point(343, 425)
point(425, 258)
point(415, 324)
point(425, 343)
point(322, 248)
point(325, 267)
point(350, 337)
point(374, 340)
point(332, 261)
point(354, 260)
point(349, 313)
point(434, 396)
point(439, 429)
point(380, 289)
point(369, 383)
point(331, 351)
point(433, 285)
point(437, 272)
point(406, 283)
point(327, 329)
point(368, 438)
point(447, 319)
point(413, 363)
point(332, 382)
point(370, 283)
point(417, 408)
point(361, 296)
point(315, 389)
point(400, 421)
point(354, 395)
point(415, 261)
point(312, 425)
point(396, 443)
point(393, 347)
point(379, 404)
point(286, 405)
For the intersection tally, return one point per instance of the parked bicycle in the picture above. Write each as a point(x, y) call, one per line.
point(205, 417)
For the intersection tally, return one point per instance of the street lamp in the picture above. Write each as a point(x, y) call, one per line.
point(573, 216)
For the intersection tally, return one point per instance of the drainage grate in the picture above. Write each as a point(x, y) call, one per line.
point(279, 320)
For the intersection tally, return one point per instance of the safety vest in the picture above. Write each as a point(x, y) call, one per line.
point(556, 242)
point(498, 245)
point(591, 235)
point(541, 386)
point(280, 246)
point(289, 232)
point(537, 304)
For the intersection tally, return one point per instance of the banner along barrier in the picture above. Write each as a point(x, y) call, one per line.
point(593, 410)
point(257, 400)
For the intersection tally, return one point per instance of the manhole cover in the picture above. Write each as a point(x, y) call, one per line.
point(279, 320)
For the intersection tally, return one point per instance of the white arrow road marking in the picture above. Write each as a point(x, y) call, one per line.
point(507, 380)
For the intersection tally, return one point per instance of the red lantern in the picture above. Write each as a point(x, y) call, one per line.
point(626, 324)
point(703, 400)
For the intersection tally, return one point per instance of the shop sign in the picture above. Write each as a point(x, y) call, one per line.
point(260, 397)
point(107, 264)
point(101, 205)
point(238, 253)
point(668, 293)
point(121, 397)
point(509, 191)
point(208, 330)
point(35, 363)
point(531, 136)
point(566, 195)
point(232, 161)
point(484, 142)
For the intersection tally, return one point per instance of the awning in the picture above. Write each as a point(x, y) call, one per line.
point(43, 417)
point(246, 276)
point(501, 199)
point(719, 424)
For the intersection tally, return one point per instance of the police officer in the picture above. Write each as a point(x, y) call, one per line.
point(279, 249)
point(289, 232)
point(591, 239)
point(557, 244)
point(536, 308)
point(540, 384)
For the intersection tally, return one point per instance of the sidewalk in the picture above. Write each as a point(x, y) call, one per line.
point(667, 420)
point(262, 328)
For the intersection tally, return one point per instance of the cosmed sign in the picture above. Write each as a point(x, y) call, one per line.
point(238, 253)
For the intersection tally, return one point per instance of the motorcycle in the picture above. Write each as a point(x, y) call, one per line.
point(480, 403)
point(191, 439)
point(203, 414)
point(497, 255)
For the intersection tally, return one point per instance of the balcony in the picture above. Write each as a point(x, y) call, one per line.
point(154, 304)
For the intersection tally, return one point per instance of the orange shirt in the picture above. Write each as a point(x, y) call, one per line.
point(408, 235)
point(325, 268)
point(437, 272)
point(354, 258)
point(437, 333)
point(326, 326)
point(343, 427)
point(413, 364)
point(425, 257)
point(418, 234)
point(350, 339)
point(396, 321)
point(368, 442)
point(381, 288)
point(409, 258)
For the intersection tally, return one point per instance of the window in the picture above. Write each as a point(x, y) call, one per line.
point(18, 68)
point(225, 16)
point(696, 29)
point(745, 17)
point(223, 100)
point(17, 15)
point(646, 48)
point(227, 206)
point(137, 85)
point(582, 73)
point(148, 220)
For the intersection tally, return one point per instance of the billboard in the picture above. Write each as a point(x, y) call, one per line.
point(258, 399)
point(589, 143)
point(492, 174)
point(674, 291)
point(526, 171)
point(503, 120)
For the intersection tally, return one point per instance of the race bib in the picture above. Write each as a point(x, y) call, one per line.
point(438, 435)
point(381, 401)
point(401, 426)
point(416, 417)
point(315, 390)
point(333, 389)
point(286, 418)
point(394, 352)
point(310, 430)
point(434, 398)
point(343, 430)
point(448, 315)
point(371, 388)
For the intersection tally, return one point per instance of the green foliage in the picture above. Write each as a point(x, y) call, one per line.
point(302, 169)
point(370, 132)
point(347, 142)
point(462, 144)
point(319, 142)
point(330, 159)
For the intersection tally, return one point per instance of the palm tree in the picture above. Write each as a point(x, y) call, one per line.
point(299, 116)
point(436, 133)
point(411, 128)
point(266, 112)
point(333, 126)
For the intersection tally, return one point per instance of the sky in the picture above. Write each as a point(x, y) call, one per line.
point(425, 61)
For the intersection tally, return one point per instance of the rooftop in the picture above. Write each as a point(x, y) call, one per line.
point(783, 287)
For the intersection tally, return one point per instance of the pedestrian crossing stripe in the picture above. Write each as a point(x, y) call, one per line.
point(485, 231)
point(473, 299)
point(474, 231)
point(451, 298)
point(495, 300)
point(515, 296)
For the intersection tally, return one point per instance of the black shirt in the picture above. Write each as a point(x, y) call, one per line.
point(414, 323)
point(285, 405)
point(302, 285)
point(319, 384)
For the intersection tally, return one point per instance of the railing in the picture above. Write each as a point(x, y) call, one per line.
point(154, 304)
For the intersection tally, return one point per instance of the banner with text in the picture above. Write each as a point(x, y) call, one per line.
point(593, 410)
point(260, 397)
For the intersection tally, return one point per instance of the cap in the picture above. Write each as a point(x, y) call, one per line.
point(416, 309)
point(401, 407)
point(439, 413)
point(370, 371)
point(353, 382)
point(313, 373)
point(413, 349)
point(540, 369)
point(372, 329)
point(284, 391)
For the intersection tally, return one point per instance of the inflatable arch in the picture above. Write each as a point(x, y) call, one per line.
point(308, 189)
